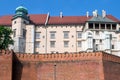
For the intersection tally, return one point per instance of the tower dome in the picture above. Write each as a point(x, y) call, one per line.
point(21, 12)
point(21, 9)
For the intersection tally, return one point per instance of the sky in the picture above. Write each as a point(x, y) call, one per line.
point(67, 7)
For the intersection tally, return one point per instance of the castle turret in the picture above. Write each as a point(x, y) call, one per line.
point(19, 21)
point(21, 12)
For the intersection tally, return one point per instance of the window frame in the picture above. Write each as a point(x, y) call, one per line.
point(14, 32)
point(52, 35)
point(66, 44)
point(79, 45)
point(79, 34)
point(66, 34)
point(37, 44)
point(52, 44)
point(36, 35)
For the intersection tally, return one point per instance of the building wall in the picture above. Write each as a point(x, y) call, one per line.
point(45, 40)
point(28, 44)
point(59, 38)
point(30, 39)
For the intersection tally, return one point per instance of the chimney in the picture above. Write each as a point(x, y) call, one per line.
point(95, 13)
point(61, 14)
point(87, 14)
point(103, 13)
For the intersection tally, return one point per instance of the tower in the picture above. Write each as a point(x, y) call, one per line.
point(19, 21)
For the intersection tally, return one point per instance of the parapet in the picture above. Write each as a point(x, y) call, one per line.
point(60, 56)
point(2, 52)
point(6, 55)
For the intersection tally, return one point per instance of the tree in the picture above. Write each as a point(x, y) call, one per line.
point(5, 37)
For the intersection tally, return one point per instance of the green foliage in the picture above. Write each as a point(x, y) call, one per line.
point(5, 37)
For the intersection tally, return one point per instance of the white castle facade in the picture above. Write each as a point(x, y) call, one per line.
point(42, 33)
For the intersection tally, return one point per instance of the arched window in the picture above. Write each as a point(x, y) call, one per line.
point(89, 33)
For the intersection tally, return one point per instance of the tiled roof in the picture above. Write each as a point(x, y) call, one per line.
point(6, 20)
point(38, 18)
point(112, 18)
point(41, 19)
point(101, 19)
point(68, 20)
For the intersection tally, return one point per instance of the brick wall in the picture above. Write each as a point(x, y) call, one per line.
point(69, 70)
point(111, 67)
point(5, 65)
point(69, 66)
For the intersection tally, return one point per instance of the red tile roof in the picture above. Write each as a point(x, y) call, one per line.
point(68, 20)
point(38, 18)
point(41, 19)
point(6, 20)
point(113, 18)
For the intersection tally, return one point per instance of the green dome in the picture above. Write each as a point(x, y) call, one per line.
point(21, 9)
point(21, 12)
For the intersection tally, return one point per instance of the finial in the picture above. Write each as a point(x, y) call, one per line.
point(87, 14)
point(103, 13)
point(95, 13)
point(61, 14)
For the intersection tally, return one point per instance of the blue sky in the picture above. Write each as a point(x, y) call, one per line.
point(68, 7)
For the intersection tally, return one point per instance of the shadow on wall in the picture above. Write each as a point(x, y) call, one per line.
point(17, 68)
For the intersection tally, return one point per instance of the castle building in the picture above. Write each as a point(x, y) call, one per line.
point(42, 33)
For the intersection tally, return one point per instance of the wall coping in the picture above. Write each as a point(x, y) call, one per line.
point(63, 56)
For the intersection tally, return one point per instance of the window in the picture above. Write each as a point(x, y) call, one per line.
point(97, 47)
point(102, 26)
point(24, 33)
point(97, 32)
point(52, 44)
point(24, 22)
point(112, 46)
point(37, 44)
point(114, 38)
point(79, 34)
point(79, 43)
point(52, 35)
point(14, 22)
point(90, 25)
point(14, 33)
point(66, 34)
point(96, 26)
point(114, 26)
point(100, 41)
point(108, 26)
point(66, 43)
point(37, 35)
point(89, 34)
